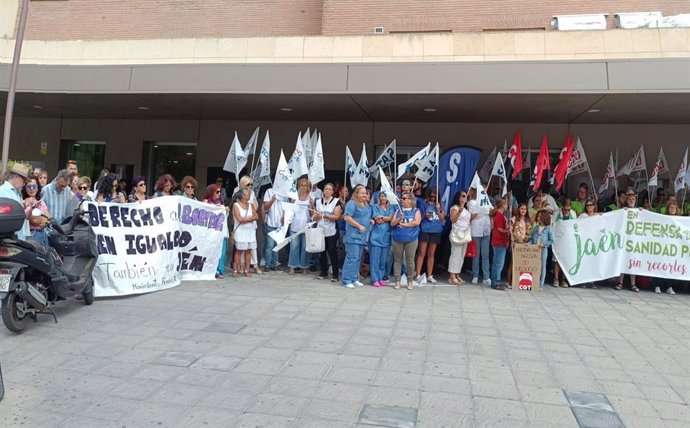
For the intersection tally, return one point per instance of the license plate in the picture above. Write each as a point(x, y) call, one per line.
point(5, 282)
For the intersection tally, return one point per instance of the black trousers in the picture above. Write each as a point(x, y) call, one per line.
point(332, 252)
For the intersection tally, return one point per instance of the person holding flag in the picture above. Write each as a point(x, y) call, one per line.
point(380, 240)
point(479, 206)
point(327, 214)
point(433, 219)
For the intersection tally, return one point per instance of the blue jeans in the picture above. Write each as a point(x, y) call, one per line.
point(378, 258)
point(270, 256)
point(220, 270)
point(544, 255)
point(299, 258)
point(483, 244)
point(497, 265)
point(353, 259)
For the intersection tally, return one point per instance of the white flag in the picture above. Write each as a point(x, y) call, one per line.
point(610, 174)
point(417, 157)
point(236, 159)
point(289, 211)
point(660, 167)
point(350, 165)
point(499, 170)
point(578, 160)
point(636, 163)
point(387, 190)
point(386, 158)
point(428, 167)
point(298, 160)
point(308, 147)
point(679, 183)
point(483, 201)
point(283, 183)
point(251, 145)
point(262, 170)
point(362, 173)
point(485, 172)
point(316, 170)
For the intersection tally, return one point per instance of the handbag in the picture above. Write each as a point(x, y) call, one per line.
point(460, 237)
point(315, 240)
point(471, 250)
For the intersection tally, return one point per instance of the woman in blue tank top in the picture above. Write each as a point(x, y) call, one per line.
point(433, 218)
point(405, 226)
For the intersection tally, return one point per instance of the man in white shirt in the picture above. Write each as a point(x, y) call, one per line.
point(273, 220)
point(16, 179)
point(57, 195)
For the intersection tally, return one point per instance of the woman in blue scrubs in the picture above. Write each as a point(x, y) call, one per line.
point(358, 224)
point(380, 241)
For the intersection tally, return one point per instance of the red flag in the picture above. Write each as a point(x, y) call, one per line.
point(561, 171)
point(542, 164)
point(515, 154)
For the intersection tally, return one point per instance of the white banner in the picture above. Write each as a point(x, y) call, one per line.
point(155, 244)
point(631, 241)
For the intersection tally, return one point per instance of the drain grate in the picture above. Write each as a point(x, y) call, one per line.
point(593, 410)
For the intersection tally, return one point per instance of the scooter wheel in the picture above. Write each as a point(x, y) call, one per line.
point(10, 317)
point(88, 297)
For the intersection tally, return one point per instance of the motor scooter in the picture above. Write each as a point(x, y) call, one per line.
point(34, 276)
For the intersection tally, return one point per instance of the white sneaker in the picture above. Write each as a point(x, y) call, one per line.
point(657, 290)
point(358, 284)
point(670, 291)
point(262, 263)
point(431, 279)
point(348, 285)
point(486, 282)
point(475, 280)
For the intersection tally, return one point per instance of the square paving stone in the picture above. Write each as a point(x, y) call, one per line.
point(177, 359)
point(224, 327)
point(589, 400)
point(388, 416)
point(589, 418)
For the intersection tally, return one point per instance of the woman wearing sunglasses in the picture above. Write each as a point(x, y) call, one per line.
point(138, 190)
point(31, 194)
point(108, 190)
point(189, 185)
point(213, 197)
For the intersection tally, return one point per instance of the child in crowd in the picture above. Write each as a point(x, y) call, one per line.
point(542, 235)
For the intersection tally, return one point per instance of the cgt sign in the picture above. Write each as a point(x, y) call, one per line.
point(456, 169)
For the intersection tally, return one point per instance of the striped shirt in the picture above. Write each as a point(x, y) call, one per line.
point(57, 201)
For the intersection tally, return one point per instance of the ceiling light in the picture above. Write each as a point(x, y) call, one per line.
point(37, 107)
point(285, 109)
point(429, 109)
point(189, 154)
point(143, 108)
point(76, 145)
point(593, 110)
point(175, 161)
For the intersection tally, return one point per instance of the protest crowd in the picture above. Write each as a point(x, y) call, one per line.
point(398, 235)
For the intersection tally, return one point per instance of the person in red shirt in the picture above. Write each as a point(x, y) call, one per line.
point(500, 239)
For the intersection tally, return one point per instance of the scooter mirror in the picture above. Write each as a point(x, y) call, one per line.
point(36, 212)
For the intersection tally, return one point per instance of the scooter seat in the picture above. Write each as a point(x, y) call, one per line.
point(36, 245)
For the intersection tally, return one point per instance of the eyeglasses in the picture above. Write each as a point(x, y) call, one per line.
point(141, 184)
point(217, 192)
point(250, 184)
point(31, 186)
point(83, 187)
point(189, 186)
point(589, 205)
point(463, 195)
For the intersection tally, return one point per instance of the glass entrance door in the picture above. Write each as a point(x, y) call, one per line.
point(176, 159)
point(90, 156)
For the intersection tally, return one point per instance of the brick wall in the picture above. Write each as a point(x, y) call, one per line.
point(355, 17)
point(145, 19)
point(150, 19)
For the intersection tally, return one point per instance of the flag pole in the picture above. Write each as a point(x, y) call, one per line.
point(345, 173)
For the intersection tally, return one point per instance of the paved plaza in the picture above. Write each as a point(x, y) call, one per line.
point(282, 351)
